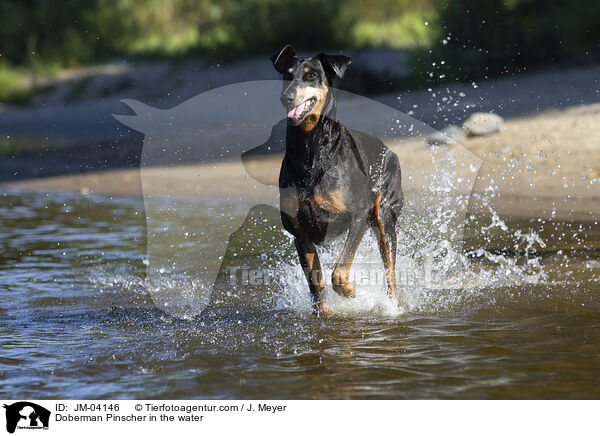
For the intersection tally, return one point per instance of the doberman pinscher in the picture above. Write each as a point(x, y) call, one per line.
point(333, 180)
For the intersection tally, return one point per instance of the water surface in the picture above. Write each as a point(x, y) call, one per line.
point(77, 320)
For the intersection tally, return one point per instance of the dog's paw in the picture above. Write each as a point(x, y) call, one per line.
point(324, 311)
point(345, 289)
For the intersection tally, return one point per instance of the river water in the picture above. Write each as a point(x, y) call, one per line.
point(77, 319)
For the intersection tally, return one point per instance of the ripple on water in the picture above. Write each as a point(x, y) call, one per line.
point(519, 320)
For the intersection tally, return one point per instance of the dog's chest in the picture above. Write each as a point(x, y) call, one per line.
point(326, 193)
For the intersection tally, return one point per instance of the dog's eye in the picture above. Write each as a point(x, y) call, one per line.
point(310, 76)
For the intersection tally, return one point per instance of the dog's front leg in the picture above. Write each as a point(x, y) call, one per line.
point(309, 259)
point(341, 272)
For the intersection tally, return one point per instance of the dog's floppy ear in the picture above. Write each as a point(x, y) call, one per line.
point(337, 63)
point(282, 58)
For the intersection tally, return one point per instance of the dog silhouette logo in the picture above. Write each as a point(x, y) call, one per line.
point(26, 415)
point(210, 170)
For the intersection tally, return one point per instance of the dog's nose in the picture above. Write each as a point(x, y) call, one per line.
point(287, 99)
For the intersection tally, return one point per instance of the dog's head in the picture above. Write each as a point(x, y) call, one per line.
point(307, 84)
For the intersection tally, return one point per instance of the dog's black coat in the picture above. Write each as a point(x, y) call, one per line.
point(333, 180)
point(357, 164)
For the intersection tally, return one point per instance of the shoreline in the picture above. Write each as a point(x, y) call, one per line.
point(542, 166)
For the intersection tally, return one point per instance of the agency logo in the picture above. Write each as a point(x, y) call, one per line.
point(26, 415)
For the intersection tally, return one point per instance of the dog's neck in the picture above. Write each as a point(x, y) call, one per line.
point(328, 112)
point(309, 149)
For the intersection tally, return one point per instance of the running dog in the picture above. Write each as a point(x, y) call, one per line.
point(333, 181)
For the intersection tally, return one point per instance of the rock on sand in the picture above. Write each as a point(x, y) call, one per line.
point(480, 123)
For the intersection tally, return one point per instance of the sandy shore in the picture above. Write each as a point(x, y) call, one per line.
point(542, 166)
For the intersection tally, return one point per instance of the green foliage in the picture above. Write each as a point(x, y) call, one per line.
point(478, 39)
point(407, 31)
point(263, 26)
point(13, 86)
point(34, 30)
point(255, 26)
point(473, 38)
point(75, 32)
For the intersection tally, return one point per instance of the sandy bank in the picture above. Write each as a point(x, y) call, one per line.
point(542, 166)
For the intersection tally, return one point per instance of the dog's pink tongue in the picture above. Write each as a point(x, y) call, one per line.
point(295, 113)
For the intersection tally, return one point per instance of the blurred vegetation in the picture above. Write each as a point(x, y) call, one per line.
point(78, 32)
point(479, 39)
point(406, 31)
point(473, 38)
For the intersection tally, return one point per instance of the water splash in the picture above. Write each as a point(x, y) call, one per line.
point(434, 273)
point(189, 239)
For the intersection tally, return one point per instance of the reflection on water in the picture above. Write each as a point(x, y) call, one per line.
point(77, 320)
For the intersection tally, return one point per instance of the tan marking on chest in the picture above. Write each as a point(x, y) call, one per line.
point(332, 201)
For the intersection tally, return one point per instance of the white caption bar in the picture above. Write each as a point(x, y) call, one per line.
point(24, 417)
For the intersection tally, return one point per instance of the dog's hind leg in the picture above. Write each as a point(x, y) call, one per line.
point(309, 259)
point(386, 238)
point(341, 272)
